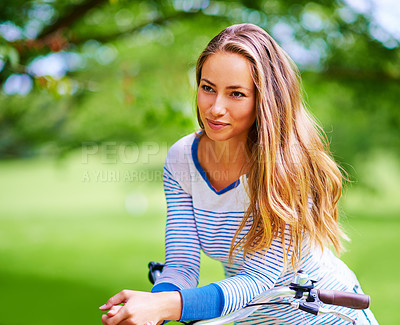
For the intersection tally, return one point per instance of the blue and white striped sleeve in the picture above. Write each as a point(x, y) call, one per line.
point(182, 257)
point(182, 246)
point(259, 273)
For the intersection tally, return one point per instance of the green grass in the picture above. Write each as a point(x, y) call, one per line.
point(373, 256)
point(67, 243)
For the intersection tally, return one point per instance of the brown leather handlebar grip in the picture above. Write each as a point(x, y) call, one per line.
point(344, 298)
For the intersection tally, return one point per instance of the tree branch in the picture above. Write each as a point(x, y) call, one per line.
point(69, 18)
point(158, 21)
point(57, 40)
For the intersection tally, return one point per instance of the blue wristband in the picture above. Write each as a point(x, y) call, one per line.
point(161, 287)
point(202, 303)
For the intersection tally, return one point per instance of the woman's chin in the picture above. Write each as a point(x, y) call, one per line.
point(216, 135)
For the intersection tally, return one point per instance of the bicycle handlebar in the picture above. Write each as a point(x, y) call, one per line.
point(332, 297)
point(344, 299)
point(301, 285)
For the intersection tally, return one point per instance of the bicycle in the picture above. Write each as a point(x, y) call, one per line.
point(300, 294)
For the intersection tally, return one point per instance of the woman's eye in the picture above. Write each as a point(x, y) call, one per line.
point(238, 94)
point(207, 88)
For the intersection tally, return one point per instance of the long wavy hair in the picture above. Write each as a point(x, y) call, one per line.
point(293, 183)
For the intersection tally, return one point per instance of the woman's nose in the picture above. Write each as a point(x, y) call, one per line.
point(218, 107)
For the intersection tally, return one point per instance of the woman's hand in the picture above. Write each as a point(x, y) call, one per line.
point(142, 308)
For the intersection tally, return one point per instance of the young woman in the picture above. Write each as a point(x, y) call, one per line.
point(254, 189)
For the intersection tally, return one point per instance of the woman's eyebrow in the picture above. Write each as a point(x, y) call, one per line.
point(237, 87)
point(208, 81)
point(229, 87)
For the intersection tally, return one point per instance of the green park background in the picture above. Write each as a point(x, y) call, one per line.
point(94, 92)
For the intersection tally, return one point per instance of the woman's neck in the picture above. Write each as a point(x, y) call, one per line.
point(232, 153)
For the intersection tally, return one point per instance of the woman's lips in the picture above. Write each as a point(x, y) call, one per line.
point(216, 125)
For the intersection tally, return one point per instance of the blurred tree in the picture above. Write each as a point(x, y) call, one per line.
point(95, 70)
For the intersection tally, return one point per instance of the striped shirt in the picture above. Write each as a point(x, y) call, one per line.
point(202, 218)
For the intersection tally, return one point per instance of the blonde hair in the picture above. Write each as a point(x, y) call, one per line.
point(293, 183)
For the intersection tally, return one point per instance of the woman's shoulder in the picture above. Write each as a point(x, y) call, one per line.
point(181, 149)
point(179, 161)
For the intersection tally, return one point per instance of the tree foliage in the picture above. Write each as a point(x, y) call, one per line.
point(96, 70)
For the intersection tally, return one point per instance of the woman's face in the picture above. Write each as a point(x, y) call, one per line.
point(226, 97)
